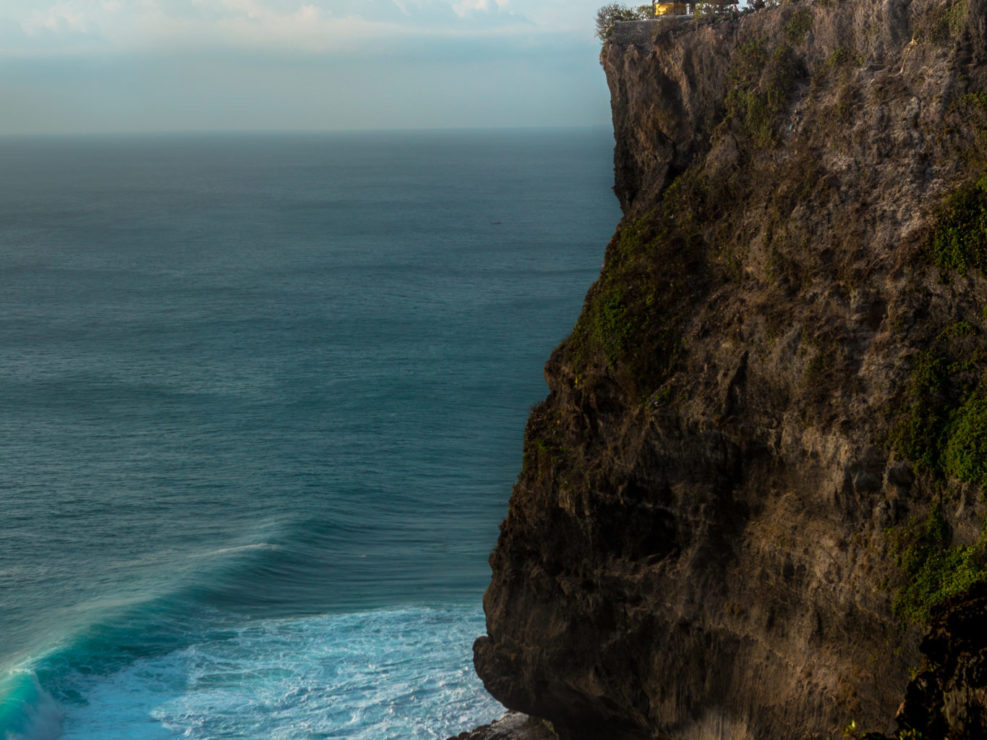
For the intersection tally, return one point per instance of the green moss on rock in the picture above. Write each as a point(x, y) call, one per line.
point(965, 453)
point(943, 425)
point(918, 432)
point(934, 569)
point(798, 25)
point(959, 242)
point(632, 319)
point(761, 87)
point(943, 431)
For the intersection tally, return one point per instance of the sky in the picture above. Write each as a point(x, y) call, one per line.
point(127, 66)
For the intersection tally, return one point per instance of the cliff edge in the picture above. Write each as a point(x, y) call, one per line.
point(757, 477)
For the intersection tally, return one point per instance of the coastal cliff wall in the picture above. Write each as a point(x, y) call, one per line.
point(757, 474)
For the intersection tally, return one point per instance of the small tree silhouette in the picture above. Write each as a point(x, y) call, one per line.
point(610, 14)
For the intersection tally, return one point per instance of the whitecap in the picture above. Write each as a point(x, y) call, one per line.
point(380, 675)
point(238, 548)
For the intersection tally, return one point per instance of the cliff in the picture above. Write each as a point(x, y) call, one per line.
point(756, 477)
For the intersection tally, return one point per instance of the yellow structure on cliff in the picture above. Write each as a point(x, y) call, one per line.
point(670, 8)
point(689, 8)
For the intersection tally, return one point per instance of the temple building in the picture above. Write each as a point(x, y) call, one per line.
point(672, 8)
point(689, 8)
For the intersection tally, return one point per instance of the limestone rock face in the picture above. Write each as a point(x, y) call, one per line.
point(701, 541)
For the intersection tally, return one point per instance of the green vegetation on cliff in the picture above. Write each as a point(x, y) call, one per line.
point(633, 315)
point(943, 426)
point(960, 241)
point(761, 85)
point(935, 569)
point(611, 13)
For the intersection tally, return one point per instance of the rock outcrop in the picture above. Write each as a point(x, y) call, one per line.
point(512, 726)
point(756, 473)
point(948, 698)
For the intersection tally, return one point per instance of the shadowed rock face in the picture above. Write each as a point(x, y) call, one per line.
point(948, 697)
point(699, 544)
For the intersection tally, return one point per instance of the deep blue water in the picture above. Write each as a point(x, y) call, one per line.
point(262, 405)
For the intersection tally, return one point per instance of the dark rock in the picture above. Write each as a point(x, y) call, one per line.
point(512, 726)
point(949, 697)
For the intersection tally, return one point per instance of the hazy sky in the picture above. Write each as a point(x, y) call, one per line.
point(166, 65)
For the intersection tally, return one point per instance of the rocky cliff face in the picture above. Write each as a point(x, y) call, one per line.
point(757, 472)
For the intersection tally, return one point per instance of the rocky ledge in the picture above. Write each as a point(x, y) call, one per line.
point(512, 726)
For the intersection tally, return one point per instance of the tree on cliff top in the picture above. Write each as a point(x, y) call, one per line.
point(610, 14)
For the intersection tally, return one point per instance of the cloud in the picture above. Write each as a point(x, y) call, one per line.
point(154, 65)
point(67, 27)
point(62, 17)
point(463, 7)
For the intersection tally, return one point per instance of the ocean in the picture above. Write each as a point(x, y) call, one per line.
point(262, 400)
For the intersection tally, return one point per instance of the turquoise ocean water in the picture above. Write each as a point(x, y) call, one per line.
point(261, 407)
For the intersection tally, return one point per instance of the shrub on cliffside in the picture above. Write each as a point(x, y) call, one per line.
point(610, 14)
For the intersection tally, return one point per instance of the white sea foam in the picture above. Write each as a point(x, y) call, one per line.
point(237, 548)
point(373, 676)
